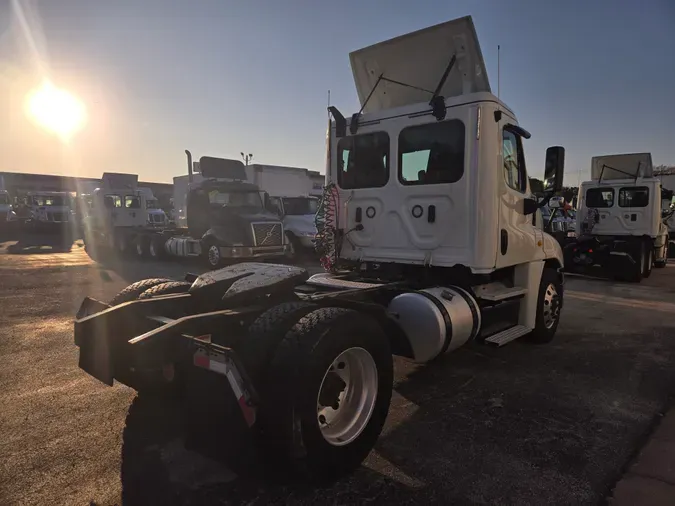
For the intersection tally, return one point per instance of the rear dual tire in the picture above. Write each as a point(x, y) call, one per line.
point(325, 392)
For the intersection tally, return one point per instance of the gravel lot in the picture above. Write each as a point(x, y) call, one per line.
point(522, 424)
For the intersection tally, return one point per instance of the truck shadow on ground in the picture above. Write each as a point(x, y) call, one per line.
point(157, 468)
point(523, 424)
point(36, 244)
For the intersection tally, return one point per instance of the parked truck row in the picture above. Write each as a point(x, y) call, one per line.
point(219, 215)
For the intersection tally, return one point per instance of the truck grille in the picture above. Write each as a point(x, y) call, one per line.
point(267, 234)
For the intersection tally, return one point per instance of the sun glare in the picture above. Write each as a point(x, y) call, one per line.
point(56, 110)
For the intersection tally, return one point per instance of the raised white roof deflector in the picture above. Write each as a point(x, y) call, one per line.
point(419, 59)
point(629, 166)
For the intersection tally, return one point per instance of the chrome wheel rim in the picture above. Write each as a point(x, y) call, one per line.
point(551, 306)
point(214, 255)
point(347, 396)
point(152, 250)
point(139, 249)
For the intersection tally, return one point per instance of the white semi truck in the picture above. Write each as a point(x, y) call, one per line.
point(8, 217)
point(290, 191)
point(620, 225)
point(299, 218)
point(49, 210)
point(431, 239)
point(219, 217)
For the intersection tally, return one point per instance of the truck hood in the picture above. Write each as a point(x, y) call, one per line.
point(419, 59)
point(303, 223)
point(631, 165)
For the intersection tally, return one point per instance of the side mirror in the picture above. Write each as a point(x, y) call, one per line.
point(530, 206)
point(554, 170)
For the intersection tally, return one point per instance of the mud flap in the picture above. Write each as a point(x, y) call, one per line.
point(219, 409)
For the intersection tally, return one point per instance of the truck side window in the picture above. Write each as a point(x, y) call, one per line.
point(132, 202)
point(363, 161)
point(514, 161)
point(637, 196)
point(275, 204)
point(112, 201)
point(599, 197)
point(431, 153)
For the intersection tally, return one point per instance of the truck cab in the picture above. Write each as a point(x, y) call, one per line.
point(48, 209)
point(298, 214)
point(619, 220)
point(224, 214)
point(7, 214)
point(435, 184)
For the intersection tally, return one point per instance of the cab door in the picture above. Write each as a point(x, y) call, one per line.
point(520, 238)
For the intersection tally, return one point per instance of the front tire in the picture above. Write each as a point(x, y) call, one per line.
point(141, 246)
point(212, 256)
point(649, 260)
point(294, 251)
point(156, 247)
point(549, 305)
point(326, 393)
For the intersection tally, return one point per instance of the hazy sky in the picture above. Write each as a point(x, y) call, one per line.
point(223, 76)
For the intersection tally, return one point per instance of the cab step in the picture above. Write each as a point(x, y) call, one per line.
point(507, 335)
point(497, 292)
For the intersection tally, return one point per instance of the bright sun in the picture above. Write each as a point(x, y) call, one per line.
point(56, 110)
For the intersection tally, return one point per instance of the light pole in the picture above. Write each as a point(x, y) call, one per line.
point(246, 158)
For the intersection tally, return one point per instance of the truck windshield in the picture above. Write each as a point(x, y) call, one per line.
point(4, 199)
point(235, 199)
point(49, 200)
point(296, 206)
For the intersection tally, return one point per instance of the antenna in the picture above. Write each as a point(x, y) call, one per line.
point(498, 72)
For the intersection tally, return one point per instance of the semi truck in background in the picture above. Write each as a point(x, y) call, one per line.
point(620, 224)
point(49, 210)
point(294, 198)
point(668, 208)
point(219, 216)
point(8, 217)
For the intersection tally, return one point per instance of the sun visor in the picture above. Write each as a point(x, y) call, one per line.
point(625, 166)
point(419, 60)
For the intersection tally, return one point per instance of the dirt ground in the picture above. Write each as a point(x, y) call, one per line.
point(522, 424)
